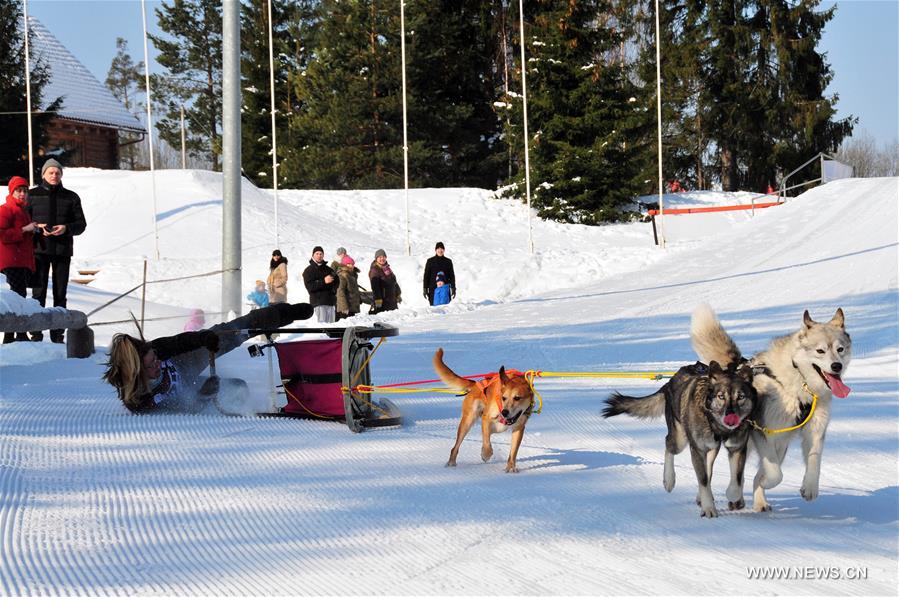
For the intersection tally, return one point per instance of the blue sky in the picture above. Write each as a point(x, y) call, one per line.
point(862, 45)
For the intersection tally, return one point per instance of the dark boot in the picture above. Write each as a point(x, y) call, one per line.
point(58, 336)
point(21, 336)
point(37, 336)
point(276, 316)
point(8, 337)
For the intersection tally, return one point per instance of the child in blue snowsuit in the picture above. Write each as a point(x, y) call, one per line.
point(259, 297)
point(443, 291)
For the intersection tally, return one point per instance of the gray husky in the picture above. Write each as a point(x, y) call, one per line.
point(704, 407)
point(794, 372)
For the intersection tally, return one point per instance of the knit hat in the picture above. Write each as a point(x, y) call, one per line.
point(341, 251)
point(15, 182)
point(316, 249)
point(260, 283)
point(380, 253)
point(51, 163)
point(347, 260)
point(439, 245)
point(441, 277)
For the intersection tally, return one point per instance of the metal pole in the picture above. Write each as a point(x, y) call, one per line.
point(524, 97)
point(271, 77)
point(405, 123)
point(28, 101)
point(661, 238)
point(231, 242)
point(143, 297)
point(143, 12)
point(183, 142)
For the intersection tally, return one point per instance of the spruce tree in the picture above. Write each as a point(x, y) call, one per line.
point(348, 130)
point(256, 124)
point(123, 80)
point(584, 115)
point(454, 130)
point(13, 103)
point(191, 52)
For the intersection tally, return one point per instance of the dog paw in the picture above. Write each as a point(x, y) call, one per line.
point(761, 507)
point(737, 505)
point(486, 454)
point(511, 468)
point(808, 493)
point(451, 463)
point(709, 512)
point(668, 481)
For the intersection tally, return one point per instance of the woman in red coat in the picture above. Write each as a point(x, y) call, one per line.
point(16, 243)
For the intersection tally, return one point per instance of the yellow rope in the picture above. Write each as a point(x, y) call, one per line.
point(529, 376)
point(370, 355)
point(811, 411)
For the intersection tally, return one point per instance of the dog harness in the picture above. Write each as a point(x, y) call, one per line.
point(490, 388)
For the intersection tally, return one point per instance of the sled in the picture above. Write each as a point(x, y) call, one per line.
point(318, 377)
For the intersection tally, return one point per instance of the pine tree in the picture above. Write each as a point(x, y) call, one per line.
point(454, 130)
point(123, 79)
point(256, 142)
point(348, 130)
point(13, 103)
point(584, 116)
point(191, 52)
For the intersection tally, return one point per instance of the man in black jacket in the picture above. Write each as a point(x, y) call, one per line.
point(57, 213)
point(321, 282)
point(438, 263)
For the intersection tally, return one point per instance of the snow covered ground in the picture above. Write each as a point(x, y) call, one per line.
point(95, 500)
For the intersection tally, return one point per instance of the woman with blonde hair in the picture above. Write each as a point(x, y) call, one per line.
point(165, 373)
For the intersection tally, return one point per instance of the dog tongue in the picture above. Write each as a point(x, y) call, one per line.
point(732, 420)
point(837, 387)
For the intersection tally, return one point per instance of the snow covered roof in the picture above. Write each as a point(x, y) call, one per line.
point(84, 98)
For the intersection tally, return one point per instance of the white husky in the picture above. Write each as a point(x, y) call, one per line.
point(787, 376)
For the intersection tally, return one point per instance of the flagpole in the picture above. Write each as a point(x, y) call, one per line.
point(28, 100)
point(662, 241)
point(405, 123)
point(143, 11)
point(524, 97)
point(271, 75)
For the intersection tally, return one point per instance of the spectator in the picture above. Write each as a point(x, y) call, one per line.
point(442, 292)
point(348, 298)
point(385, 290)
point(196, 322)
point(259, 297)
point(165, 373)
point(16, 244)
point(57, 212)
point(321, 282)
point(277, 278)
point(438, 263)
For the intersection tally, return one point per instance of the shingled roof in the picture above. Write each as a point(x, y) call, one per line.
point(85, 99)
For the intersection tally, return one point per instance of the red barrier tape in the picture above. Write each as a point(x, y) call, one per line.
point(698, 210)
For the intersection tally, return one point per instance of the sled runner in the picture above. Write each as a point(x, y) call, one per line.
point(318, 376)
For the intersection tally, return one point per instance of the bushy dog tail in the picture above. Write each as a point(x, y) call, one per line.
point(448, 376)
point(710, 341)
point(645, 407)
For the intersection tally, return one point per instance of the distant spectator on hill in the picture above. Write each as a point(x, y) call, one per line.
point(348, 297)
point(321, 282)
point(385, 290)
point(438, 263)
point(57, 213)
point(16, 244)
point(277, 278)
point(259, 296)
point(196, 321)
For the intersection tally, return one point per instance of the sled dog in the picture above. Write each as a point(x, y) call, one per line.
point(788, 375)
point(501, 402)
point(704, 407)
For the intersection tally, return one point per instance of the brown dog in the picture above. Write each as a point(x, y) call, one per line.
point(502, 402)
